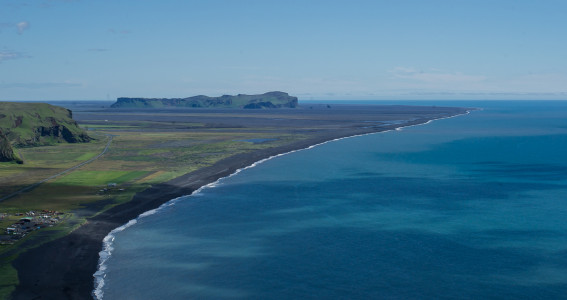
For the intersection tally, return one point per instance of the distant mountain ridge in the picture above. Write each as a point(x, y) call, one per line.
point(266, 100)
point(35, 124)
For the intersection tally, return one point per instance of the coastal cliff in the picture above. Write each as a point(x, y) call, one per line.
point(35, 124)
point(266, 100)
point(6, 150)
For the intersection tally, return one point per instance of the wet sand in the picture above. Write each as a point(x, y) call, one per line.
point(64, 268)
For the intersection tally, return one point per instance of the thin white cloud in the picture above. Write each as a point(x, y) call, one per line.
point(9, 55)
point(22, 26)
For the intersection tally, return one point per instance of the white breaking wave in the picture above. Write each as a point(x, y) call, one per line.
point(106, 252)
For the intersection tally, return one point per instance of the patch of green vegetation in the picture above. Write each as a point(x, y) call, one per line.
point(153, 151)
point(32, 124)
point(43, 162)
point(8, 253)
point(124, 195)
point(102, 126)
point(162, 176)
point(95, 178)
point(53, 197)
point(8, 278)
point(128, 126)
point(86, 156)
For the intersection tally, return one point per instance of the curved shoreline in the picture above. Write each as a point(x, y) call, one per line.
point(64, 268)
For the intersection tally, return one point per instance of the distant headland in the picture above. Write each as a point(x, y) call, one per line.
point(266, 100)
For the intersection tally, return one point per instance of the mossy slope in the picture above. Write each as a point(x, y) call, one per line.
point(36, 124)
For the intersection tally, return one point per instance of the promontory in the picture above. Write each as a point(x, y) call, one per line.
point(35, 124)
point(266, 100)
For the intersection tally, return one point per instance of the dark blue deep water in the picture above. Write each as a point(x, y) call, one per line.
point(472, 207)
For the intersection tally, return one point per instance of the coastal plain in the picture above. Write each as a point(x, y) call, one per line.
point(154, 155)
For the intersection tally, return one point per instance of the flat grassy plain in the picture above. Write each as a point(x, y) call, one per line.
point(45, 161)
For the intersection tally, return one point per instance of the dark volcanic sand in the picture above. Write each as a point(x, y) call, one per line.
point(64, 268)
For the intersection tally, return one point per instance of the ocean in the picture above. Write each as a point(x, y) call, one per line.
point(470, 207)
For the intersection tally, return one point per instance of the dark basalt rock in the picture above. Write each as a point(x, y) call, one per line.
point(6, 150)
point(60, 132)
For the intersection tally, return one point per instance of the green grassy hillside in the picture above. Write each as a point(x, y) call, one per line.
point(36, 124)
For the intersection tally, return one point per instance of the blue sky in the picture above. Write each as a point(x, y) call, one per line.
point(398, 49)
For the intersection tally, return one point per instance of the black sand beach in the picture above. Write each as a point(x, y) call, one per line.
point(64, 268)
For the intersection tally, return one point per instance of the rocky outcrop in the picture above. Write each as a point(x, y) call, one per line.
point(266, 100)
point(6, 150)
point(61, 133)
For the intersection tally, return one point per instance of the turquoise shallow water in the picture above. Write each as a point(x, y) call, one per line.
point(462, 208)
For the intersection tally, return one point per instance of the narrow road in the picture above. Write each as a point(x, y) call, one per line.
point(30, 187)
